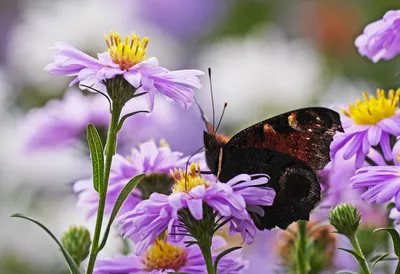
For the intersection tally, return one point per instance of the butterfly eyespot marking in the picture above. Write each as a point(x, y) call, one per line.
point(268, 129)
point(292, 120)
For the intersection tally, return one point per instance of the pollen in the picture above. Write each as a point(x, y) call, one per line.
point(162, 255)
point(184, 181)
point(374, 109)
point(126, 53)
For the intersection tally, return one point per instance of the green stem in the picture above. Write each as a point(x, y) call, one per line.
point(357, 249)
point(206, 251)
point(302, 260)
point(110, 148)
point(397, 268)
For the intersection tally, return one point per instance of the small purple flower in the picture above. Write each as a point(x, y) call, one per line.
point(231, 200)
point(128, 59)
point(149, 159)
point(367, 124)
point(164, 257)
point(381, 39)
point(380, 183)
point(62, 122)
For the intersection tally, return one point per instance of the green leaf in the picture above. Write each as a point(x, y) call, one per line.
point(118, 204)
point(380, 258)
point(72, 265)
point(395, 238)
point(355, 255)
point(222, 254)
point(96, 152)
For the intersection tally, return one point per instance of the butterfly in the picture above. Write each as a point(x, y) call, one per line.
point(290, 148)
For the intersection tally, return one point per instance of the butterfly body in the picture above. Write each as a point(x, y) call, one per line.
point(290, 148)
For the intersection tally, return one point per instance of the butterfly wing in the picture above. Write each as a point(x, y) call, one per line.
point(305, 134)
point(289, 148)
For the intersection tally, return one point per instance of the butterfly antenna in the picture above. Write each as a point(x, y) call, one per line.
point(222, 115)
point(187, 163)
point(212, 98)
point(204, 118)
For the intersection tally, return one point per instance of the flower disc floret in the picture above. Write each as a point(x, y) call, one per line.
point(374, 109)
point(128, 53)
point(163, 255)
point(186, 181)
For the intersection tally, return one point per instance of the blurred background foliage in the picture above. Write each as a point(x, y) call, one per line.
point(267, 57)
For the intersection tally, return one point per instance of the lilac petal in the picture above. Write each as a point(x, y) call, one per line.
point(133, 77)
point(196, 208)
point(397, 201)
point(385, 145)
point(391, 189)
point(374, 135)
point(354, 146)
point(150, 99)
point(390, 126)
point(175, 200)
point(360, 158)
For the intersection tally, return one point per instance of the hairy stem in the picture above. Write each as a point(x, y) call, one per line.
point(110, 148)
point(302, 260)
point(206, 251)
point(357, 249)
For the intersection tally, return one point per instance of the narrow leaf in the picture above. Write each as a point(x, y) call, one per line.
point(395, 238)
point(118, 204)
point(72, 265)
point(380, 258)
point(222, 254)
point(96, 152)
point(355, 255)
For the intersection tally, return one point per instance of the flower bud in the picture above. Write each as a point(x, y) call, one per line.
point(345, 218)
point(76, 240)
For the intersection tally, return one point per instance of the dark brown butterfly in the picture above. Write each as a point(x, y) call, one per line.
point(290, 148)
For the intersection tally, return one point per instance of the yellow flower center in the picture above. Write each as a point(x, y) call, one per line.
point(184, 181)
point(128, 53)
point(163, 255)
point(374, 109)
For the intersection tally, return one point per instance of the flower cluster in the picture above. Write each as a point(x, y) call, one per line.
point(191, 191)
point(150, 159)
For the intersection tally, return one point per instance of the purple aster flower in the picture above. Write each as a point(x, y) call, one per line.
point(164, 257)
point(62, 122)
point(367, 124)
point(150, 159)
point(195, 19)
point(231, 200)
point(127, 59)
point(381, 39)
point(380, 183)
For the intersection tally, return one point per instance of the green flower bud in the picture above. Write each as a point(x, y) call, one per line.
point(346, 219)
point(76, 240)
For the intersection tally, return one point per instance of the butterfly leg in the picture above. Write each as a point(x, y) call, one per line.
point(219, 163)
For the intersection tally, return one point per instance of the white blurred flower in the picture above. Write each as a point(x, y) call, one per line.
point(259, 72)
point(342, 91)
point(79, 23)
